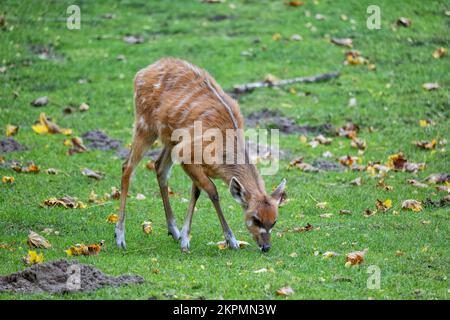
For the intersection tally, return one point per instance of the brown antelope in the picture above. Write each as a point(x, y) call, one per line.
point(172, 94)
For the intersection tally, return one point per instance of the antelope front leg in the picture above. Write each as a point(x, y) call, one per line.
point(229, 236)
point(195, 193)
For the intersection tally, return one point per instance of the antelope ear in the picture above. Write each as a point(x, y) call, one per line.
point(278, 194)
point(238, 192)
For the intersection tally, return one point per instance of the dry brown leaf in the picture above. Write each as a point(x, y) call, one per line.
point(439, 53)
point(345, 212)
point(356, 257)
point(427, 145)
point(285, 291)
point(413, 205)
point(150, 165)
point(37, 241)
point(295, 3)
point(381, 184)
point(438, 178)
point(383, 206)
point(358, 143)
point(40, 102)
point(416, 183)
point(66, 202)
point(323, 140)
point(97, 175)
point(83, 107)
point(147, 227)
point(85, 250)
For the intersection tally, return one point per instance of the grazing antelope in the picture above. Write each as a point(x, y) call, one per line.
point(173, 94)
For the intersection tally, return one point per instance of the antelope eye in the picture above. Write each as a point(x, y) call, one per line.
point(257, 222)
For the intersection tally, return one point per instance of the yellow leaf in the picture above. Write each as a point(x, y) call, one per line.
point(11, 130)
point(112, 218)
point(7, 179)
point(33, 258)
point(39, 128)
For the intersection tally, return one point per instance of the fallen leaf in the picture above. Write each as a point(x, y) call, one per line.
point(321, 205)
point(92, 174)
point(40, 102)
point(8, 179)
point(37, 241)
point(298, 163)
point(46, 126)
point(85, 250)
point(329, 254)
point(11, 130)
point(78, 146)
point(416, 183)
point(112, 218)
point(397, 161)
point(368, 213)
point(426, 123)
point(83, 107)
point(140, 197)
point(384, 206)
point(427, 145)
point(285, 291)
point(438, 178)
point(356, 182)
point(276, 37)
point(405, 22)
point(346, 42)
point(66, 202)
point(296, 3)
point(431, 86)
point(412, 204)
point(31, 168)
point(223, 244)
point(345, 212)
point(147, 227)
point(381, 184)
point(32, 258)
point(323, 140)
point(354, 57)
point(260, 270)
point(296, 37)
point(439, 53)
point(356, 257)
point(348, 160)
point(358, 143)
point(51, 171)
point(133, 39)
point(326, 215)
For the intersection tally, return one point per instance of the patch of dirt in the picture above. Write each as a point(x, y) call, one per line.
point(46, 52)
point(99, 140)
point(11, 145)
point(326, 165)
point(53, 277)
point(273, 119)
point(122, 153)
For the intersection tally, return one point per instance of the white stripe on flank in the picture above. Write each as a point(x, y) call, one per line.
point(230, 112)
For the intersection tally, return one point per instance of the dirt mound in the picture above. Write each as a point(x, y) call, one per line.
point(273, 119)
point(10, 145)
point(62, 276)
point(99, 140)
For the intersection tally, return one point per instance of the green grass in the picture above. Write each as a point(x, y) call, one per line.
point(182, 29)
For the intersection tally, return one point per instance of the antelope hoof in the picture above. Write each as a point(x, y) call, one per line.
point(185, 244)
point(120, 238)
point(173, 231)
point(232, 243)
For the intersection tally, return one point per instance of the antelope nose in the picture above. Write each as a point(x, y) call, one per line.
point(265, 247)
